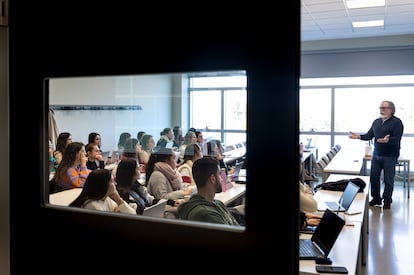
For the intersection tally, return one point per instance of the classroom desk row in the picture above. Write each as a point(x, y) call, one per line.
point(232, 194)
point(230, 157)
point(351, 163)
point(344, 162)
point(351, 247)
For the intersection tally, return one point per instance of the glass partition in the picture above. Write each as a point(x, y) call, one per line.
point(112, 105)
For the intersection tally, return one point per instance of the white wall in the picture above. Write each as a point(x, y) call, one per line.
point(153, 93)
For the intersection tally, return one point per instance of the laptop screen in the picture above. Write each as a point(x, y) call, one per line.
point(327, 231)
point(348, 195)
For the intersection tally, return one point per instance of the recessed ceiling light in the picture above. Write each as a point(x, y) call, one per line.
point(356, 4)
point(372, 23)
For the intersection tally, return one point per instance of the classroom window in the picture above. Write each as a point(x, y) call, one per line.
point(331, 107)
point(218, 105)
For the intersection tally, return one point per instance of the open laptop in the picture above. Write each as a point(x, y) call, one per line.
point(156, 210)
point(344, 202)
point(307, 147)
point(236, 177)
point(323, 239)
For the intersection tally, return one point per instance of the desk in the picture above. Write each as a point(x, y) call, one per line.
point(234, 155)
point(231, 195)
point(405, 161)
point(343, 253)
point(65, 197)
point(346, 251)
point(360, 202)
point(343, 163)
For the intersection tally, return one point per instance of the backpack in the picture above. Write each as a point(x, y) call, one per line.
point(340, 185)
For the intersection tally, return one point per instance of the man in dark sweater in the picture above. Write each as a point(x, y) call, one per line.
point(386, 131)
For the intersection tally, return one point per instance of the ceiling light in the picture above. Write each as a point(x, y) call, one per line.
point(372, 23)
point(356, 4)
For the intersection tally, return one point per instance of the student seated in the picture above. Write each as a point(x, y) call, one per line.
point(100, 193)
point(163, 181)
point(202, 206)
point(72, 171)
point(95, 159)
point(131, 191)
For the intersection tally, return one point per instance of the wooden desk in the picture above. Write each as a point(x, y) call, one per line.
point(343, 253)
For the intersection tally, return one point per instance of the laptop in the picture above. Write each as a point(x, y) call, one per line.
point(323, 239)
point(345, 201)
point(236, 177)
point(156, 210)
point(307, 147)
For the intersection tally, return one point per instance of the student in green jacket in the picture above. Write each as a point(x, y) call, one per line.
point(202, 206)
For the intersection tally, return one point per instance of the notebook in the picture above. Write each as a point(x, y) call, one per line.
point(156, 210)
point(236, 177)
point(323, 239)
point(169, 145)
point(345, 201)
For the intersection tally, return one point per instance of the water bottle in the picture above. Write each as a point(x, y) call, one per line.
point(368, 151)
point(223, 179)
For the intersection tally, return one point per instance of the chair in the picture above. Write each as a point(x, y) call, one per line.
point(337, 147)
point(325, 159)
point(330, 155)
point(321, 164)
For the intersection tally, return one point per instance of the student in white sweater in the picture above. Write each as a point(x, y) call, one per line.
point(99, 193)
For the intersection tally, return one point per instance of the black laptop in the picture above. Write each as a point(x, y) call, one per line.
point(323, 239)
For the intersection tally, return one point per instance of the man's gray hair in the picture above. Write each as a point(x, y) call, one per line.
point(392, 106)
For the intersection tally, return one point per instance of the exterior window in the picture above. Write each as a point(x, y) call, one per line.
point(218, 106)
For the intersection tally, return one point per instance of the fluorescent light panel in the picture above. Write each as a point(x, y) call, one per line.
point(357, 4)
point(364, 24)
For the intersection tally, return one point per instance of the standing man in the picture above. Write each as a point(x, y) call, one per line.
point(387, 131)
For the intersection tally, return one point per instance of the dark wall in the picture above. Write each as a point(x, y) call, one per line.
point(48, 39)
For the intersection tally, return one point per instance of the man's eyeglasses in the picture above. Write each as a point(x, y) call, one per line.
point(383, 108)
